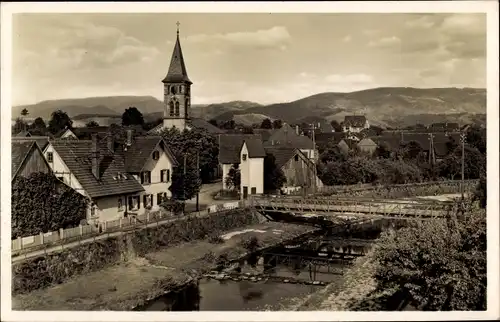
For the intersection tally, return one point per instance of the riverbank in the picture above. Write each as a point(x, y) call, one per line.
point(148, 275)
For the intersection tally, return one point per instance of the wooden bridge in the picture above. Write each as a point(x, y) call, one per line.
point(348, 209)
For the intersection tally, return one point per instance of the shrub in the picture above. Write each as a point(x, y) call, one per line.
point(215, 239)
point(250, 244)
point(41, 203)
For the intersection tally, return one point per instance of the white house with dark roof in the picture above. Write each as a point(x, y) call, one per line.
point(252, 156)
point(287, 136)
point(355, 123)
point(120, 178)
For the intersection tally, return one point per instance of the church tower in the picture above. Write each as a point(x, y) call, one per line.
point(177, 91)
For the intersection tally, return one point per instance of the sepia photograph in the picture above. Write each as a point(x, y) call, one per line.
point(249, 159)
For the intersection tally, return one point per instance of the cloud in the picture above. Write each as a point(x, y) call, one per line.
point(307, 75)
point(352, 79)
point(275, 37)
point(385, 42)
point(465, 24)
point(421, 22)
point(88, 46)
point(347, 38)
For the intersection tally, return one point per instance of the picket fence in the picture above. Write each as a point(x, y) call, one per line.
point(63, 236)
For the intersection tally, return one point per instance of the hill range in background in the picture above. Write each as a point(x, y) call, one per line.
point(388, 106)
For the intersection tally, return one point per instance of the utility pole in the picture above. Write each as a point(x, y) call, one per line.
point(198, 167)
point(314, 157)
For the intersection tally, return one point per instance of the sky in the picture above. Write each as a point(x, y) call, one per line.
point(265, 58)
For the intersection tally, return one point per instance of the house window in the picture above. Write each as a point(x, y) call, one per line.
point(177, 110)
point(244, 157)
point(165, 175)
point(296, 157)
point(171, 108)
point(161, 197)
point(120, 204)
point(92, 210)
point(50, 157)
point(253, 191)
point(134, 203)
point(147, 201)
point(146, 177)
point(156, 155)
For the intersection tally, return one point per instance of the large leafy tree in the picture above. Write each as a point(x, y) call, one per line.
point(451, 166)
point(476, 137)
point(274, 178)
point(277, 124)
point(435, 265)
point(132, 116)
point(38, 127)
point(266, 124)
point(19, 125)
point(24, 112)
point(41, 203)
point(336, 126)
point(59, 121)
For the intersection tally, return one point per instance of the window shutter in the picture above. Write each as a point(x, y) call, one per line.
point(158, 198)
point(149, 176)
point(168, 175)
point(161, 175)
point(144, 200)
point(142, 177)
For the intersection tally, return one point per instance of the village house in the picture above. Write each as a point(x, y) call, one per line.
point(355, 123)
point(297, 168)
point(367, 145)
point(286, 136)
point(120, 179)
point(251, 166)
point(65, 134)
point(27, 158)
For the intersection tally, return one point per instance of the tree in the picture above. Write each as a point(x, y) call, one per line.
point(132, 116)
point(336, 126)
point(451, 166)
point(19, 125)
point(92, 124)
point(38, 127)
point(24, 112)
point(382, 151)
point(476, 137)
point(411, 150)
point(274, 178)
point(480, 193)
point(437, 265)
point(41, 203)
point(185, 184)
point(59, 121)
point(277, 124)
point(229, 125)
point(233, 179)
point(266, 124)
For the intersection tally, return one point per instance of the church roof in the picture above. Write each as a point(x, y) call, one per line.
point(177, 70)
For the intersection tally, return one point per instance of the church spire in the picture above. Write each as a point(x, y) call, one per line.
point(177, 70)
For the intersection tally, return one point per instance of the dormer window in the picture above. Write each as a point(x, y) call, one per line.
point(244, 157)
point(156, 155)
point(296, 157)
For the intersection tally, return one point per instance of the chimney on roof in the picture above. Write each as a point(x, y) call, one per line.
point(110, 142)
point(95, 156)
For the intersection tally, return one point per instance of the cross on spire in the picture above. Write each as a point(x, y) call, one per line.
point(178, 24)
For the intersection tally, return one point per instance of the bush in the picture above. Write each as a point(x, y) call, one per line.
point(41, 203)
point(251, 244)
point(215, 239)
point(435, 265)
point(174, 206)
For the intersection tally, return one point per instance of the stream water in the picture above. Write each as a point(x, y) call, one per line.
point(210, 294)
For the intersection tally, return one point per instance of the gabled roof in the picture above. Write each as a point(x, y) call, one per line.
point(42, 141)
point(85, 133)
point(61, 132)
point(230, 144)
point(286, 135)
point(265, 133)
point(177, 70)
point(20, 151)
point(325, 138)
point(141, 150)
point(355, 120)
point(23, 134)
point(283, 154)
point(202, 124)
point(76, 154)
point(255, 148)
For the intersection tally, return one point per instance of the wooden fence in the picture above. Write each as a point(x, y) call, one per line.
point(64, 236)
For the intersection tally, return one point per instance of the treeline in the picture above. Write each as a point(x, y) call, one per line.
point(408, 164)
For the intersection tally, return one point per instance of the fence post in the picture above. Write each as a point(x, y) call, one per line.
point(20, 242)
point(147, 217)
point(121, 222)
point(41, 238)
point(81, 230)
point(61, 233)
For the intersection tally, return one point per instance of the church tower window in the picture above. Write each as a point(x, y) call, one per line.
point(171, 108)
point(177, 112)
